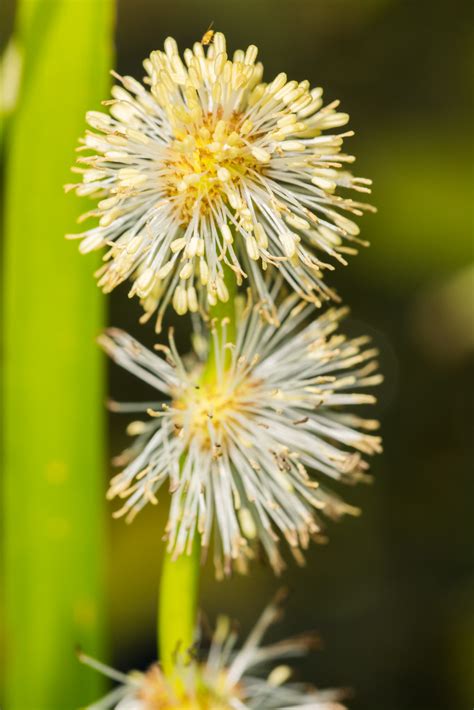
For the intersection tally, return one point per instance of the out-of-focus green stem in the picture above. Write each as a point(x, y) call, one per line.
point(53, 387)
point(179, 587)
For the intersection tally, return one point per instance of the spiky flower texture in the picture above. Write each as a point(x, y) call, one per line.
point(209, 167)
point(237, 449)
point(226, 680)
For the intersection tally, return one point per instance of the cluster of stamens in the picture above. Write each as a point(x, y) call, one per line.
point(212, 169)
point(237, 448)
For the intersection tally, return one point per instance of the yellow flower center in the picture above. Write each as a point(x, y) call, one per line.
point(156, 694)
point(207, 162)
point(210, 409)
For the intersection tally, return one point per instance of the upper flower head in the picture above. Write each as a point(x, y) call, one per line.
point(209, 167)
point(226, 680)
point(250, 433)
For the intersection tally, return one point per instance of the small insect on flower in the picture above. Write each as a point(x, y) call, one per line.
point(237, 448)
point(208, 169)
point(208, 36)
point(226, 679)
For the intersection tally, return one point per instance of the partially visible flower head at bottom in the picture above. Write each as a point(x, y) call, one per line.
point(239, 444)
point(255, 677)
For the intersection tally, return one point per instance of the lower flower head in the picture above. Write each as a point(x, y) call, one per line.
point(246, 448)
point(227, 679)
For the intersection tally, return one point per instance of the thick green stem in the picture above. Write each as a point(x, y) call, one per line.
point(53, 388)
point(179, 587)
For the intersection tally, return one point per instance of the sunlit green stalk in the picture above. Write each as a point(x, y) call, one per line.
point(179, 587)
point(53, 387)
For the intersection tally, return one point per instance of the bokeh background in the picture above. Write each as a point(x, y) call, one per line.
point(392, 594)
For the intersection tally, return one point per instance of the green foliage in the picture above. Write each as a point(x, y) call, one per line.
point(54, 536)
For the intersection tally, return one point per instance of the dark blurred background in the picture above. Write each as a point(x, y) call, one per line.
point(392, 592)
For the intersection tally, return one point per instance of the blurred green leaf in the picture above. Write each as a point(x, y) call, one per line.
point(54, 539)
point(422, 187)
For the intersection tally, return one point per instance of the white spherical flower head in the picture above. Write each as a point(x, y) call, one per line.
point(210, 167)
point(237, 449)
point(227, 679)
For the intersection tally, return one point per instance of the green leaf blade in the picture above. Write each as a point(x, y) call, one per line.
point(53, 387)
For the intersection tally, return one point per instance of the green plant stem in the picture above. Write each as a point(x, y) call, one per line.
point(53, 387)
point(179, 587)
point(177, 606)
